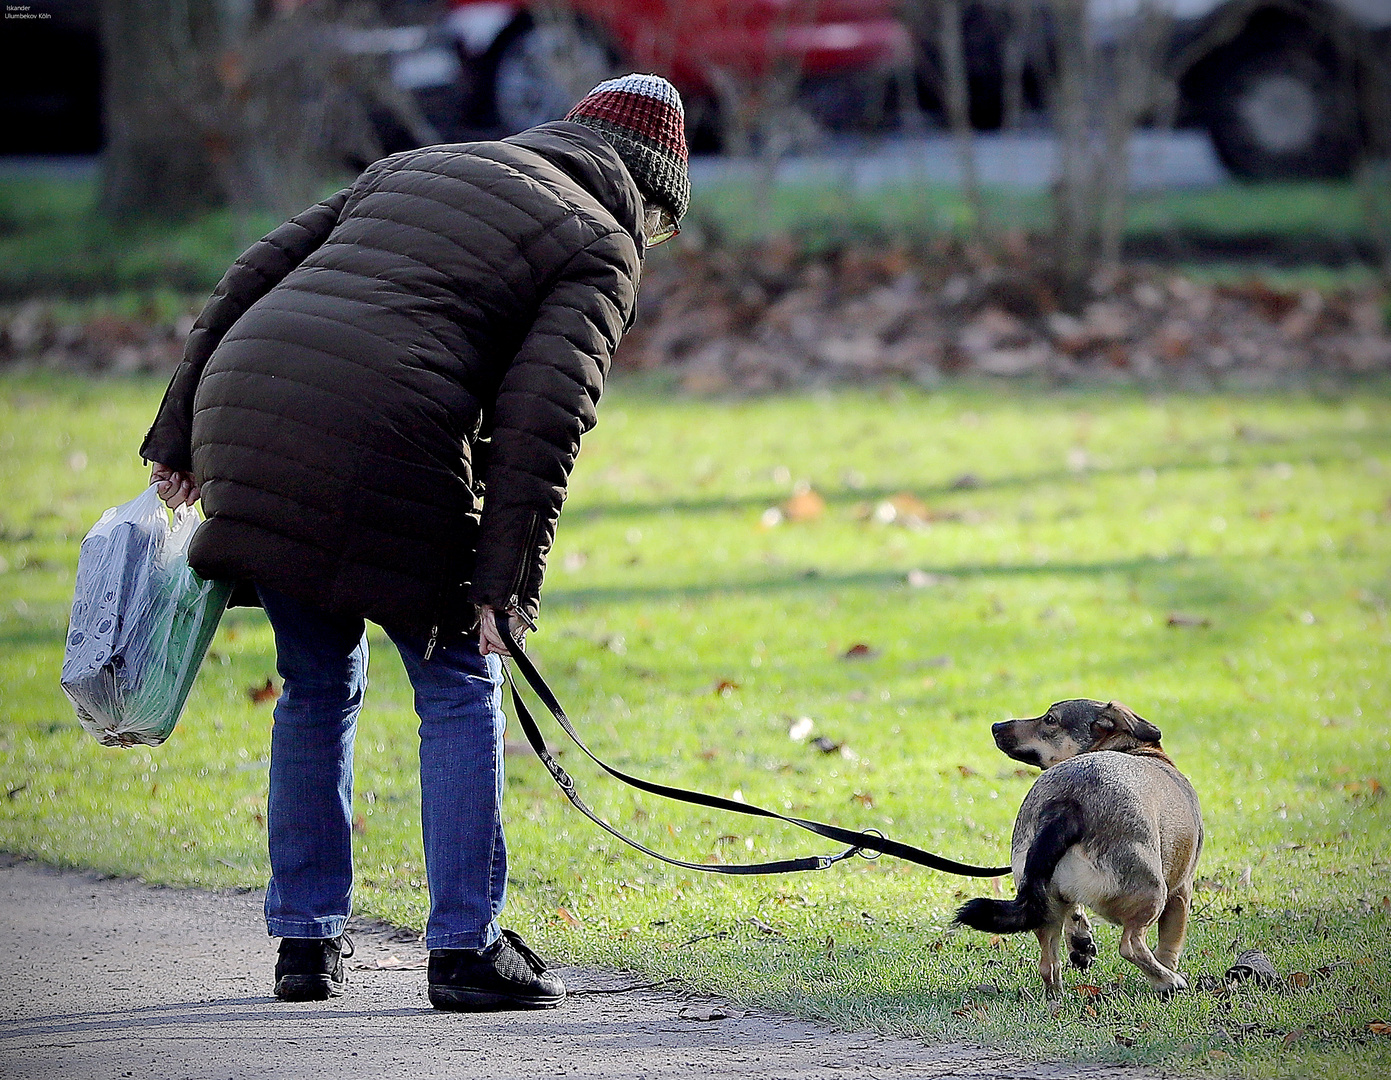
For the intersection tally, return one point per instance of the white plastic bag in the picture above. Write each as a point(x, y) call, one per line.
point(141, 623)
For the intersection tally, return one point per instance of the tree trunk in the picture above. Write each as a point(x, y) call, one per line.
point(957, 87)
point(157, 161)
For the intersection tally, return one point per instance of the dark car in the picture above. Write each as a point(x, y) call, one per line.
point(1287, 89)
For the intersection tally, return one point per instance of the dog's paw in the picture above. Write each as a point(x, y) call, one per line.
point(1081, 951)
point(1167, 988)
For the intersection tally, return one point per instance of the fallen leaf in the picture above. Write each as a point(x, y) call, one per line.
point(762, 927)
point(1124, 1040)
point(1300, 979)
point(805, 505)
point(359, 824)
point(825, 745)
point(985, 988)
point(567, 918)
point(966, 482)
point(909, 506)
point(1218, 1055)
point(1089, 1011)
point(1293, 1036)
point(706, 1013)
point(859, 651)
point(1376, 1027)
point(1088, 990)
point(1178, 619)
point(725, 687)
point(966, 770)
point(864, 798)
point(259, 695)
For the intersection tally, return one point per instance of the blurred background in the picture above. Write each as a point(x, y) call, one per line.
point(902, 189)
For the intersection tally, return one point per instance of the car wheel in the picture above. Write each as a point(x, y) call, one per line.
point(543, 70)
point(1282, 115)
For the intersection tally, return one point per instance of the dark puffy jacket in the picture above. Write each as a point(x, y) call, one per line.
point(339, 386)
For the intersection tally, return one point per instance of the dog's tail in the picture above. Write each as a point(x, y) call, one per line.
point(1061, 827)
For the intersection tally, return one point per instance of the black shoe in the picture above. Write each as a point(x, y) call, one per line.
point(505, 975)
point(311, 969)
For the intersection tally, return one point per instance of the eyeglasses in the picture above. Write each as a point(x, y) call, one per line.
point(658, 225)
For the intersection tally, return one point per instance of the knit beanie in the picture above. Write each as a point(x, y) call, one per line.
point(642, 116)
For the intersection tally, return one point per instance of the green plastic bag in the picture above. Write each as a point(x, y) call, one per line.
point(141, 623)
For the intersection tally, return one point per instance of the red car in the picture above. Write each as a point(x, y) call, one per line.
point(522, 63)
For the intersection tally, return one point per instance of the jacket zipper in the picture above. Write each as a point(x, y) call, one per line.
point(524, 567)
point(434, 637)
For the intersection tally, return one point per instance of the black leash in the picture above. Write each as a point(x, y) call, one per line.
point(859, 842)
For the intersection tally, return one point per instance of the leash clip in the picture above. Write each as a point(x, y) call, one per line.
point(861, 851)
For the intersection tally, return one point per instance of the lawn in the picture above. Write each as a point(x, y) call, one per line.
point(53, 243)
point(1054, 539)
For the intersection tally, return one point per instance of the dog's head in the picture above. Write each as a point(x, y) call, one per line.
point(1074, 727)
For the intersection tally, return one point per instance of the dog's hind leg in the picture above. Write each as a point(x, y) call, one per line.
point(1050, 964)
point(1173, 928)
point(1134, 949)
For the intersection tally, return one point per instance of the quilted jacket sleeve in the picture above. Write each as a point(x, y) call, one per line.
point(545, 403)
point(255, 273)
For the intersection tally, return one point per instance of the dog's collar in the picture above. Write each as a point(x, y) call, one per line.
point(1126, 744)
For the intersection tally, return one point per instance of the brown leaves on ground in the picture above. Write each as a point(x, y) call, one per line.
point(1181, 620)
point(260, 695)
point(860, 651)
point(567, 918)
point(805, 505)
point(777, 316)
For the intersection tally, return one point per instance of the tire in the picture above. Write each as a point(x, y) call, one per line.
point(1282, 115)
point(544, 69)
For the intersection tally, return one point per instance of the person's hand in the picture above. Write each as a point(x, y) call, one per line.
point(175, 488)
point(490, 639)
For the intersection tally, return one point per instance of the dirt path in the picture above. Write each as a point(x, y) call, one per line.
point(105, 978)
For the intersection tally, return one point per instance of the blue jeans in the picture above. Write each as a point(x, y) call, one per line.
point(322, 659)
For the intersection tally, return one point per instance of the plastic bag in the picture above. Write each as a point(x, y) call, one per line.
point(141, 623)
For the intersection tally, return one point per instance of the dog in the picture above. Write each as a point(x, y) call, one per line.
point(1110, 825)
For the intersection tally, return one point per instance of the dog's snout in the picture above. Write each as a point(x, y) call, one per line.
point(1004, 733)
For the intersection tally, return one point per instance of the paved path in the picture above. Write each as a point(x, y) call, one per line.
point(1159, 161)
point(107, 979)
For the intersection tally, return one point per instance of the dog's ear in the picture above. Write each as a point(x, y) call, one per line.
point(1116, 717)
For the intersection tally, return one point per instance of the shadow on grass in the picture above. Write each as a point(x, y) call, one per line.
point(813, 579)
point(963, 485)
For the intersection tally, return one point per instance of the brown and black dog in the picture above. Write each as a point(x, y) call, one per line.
point(1110, 825)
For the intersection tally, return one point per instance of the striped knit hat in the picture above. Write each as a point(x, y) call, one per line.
point(642, 116)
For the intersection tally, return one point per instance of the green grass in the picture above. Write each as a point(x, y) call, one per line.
point(821, 212)
point(1097, 514)
point(52, 242)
